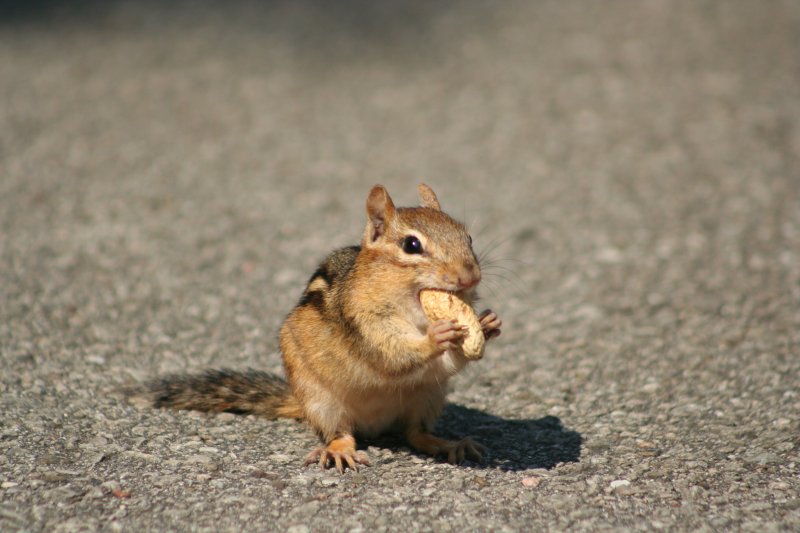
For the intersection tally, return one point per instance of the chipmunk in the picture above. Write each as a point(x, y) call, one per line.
point(360, 355)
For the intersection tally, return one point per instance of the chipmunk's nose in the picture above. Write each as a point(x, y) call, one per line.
point(469, 276)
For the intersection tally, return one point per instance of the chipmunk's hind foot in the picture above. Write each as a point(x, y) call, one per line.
point(456, 451)
point(340, 452)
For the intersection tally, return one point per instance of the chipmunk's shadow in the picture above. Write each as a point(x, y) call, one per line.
point(512, 444)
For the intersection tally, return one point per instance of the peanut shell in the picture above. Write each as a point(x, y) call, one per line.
point(443, 305)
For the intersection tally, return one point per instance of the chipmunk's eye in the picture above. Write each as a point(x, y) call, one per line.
point(411, 245)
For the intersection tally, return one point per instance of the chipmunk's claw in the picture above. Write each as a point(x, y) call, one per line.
point(490, 324)
point(340, 453)
point(446, 334)
point(464, 449)
point(454, 450)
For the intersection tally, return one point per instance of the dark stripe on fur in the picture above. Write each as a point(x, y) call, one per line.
point(315, 298)
point(248, 391)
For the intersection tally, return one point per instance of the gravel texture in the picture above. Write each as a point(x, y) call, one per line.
point(170, 173)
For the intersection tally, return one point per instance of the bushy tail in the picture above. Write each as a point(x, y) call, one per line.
point(241, 392)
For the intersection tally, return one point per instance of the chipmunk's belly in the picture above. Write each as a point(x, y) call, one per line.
point(382, 411)
point(377, 412)
point(390, 407)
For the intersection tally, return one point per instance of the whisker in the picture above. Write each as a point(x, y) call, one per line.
point(489, 287)
point(483, 228)
point(515, 283)
point(499, 267)
point(492, 246)
point(509, 260)
point(464, 211)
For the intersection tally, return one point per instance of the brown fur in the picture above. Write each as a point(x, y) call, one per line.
point(359, 353)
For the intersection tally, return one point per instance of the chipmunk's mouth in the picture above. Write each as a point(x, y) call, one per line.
point(458, 292)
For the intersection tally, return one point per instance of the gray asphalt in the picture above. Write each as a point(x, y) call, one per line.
point(170, 173)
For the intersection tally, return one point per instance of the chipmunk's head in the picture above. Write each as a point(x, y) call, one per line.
point(434, 249)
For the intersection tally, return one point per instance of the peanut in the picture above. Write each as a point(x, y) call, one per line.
point(443, 305)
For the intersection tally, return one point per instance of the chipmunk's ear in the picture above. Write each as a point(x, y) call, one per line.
point(380, 212)
point(427, 197)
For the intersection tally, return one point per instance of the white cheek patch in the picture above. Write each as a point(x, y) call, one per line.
point(419, 319)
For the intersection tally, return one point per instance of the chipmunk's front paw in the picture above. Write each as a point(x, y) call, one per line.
point(445, 334)
point(490, 324)
point(340, 452)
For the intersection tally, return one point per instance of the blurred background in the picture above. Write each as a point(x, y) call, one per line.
point(609, 156)
point(172, 172)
